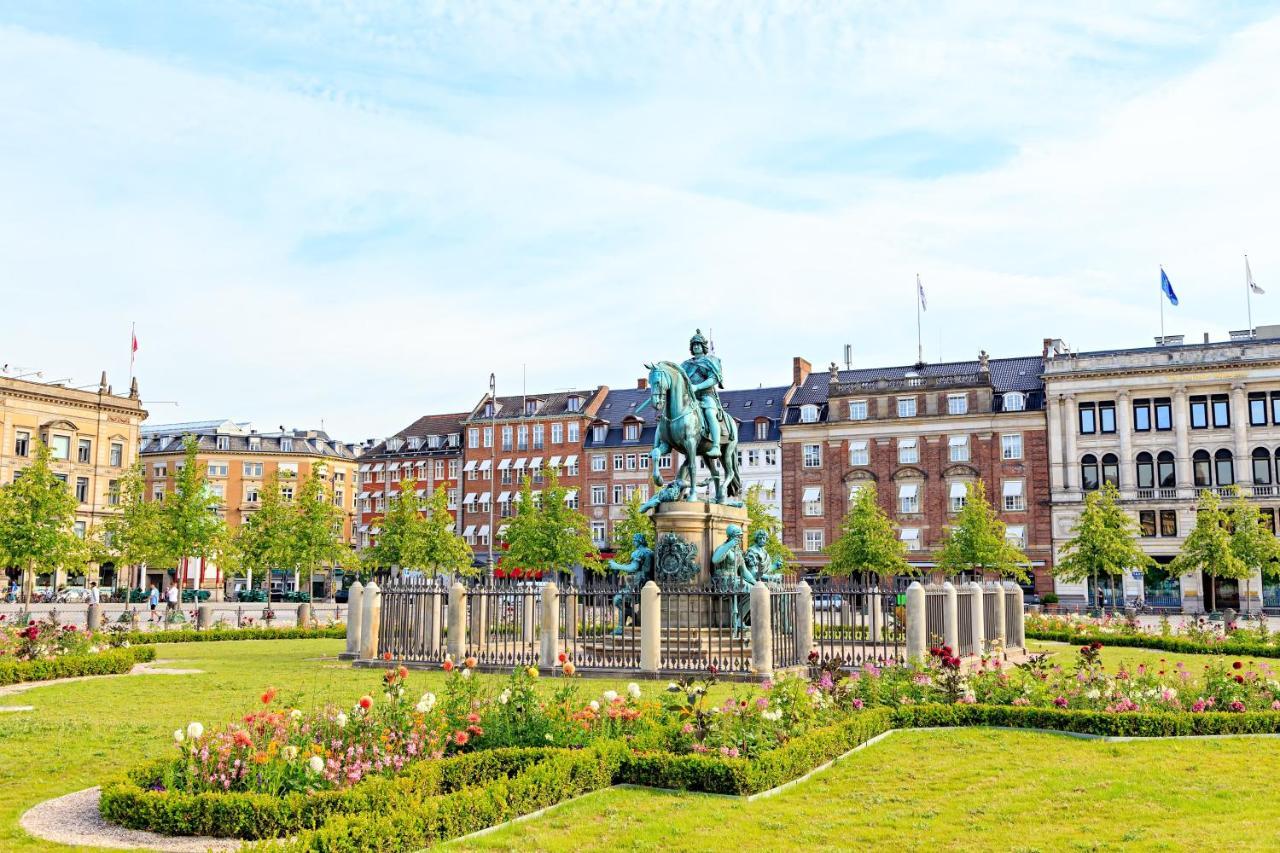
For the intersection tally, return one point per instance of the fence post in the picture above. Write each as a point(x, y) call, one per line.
point(479, 620)
point(761, 631)
point(135, 621)
point(650, 628)
point(950, 618)
point(355, 606)
point(1001, 628)
point(915, 622)
point(875, 615)
point(548, 656)
point(204, 616)
point(527, 629)
point(369, 619)
point(975, 618)
point(457, 640)
point(93, 619)
point(1017, 632)
point(804, 620)
point(304, 615)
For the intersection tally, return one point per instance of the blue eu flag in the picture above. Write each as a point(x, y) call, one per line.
point(1167, 287)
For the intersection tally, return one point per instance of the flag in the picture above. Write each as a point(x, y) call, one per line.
point(1248, 274)
point(134, 345)
point(1167, 287)
point(920, 289)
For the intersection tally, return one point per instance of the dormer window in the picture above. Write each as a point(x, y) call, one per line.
point(414, 442)
point(631, 432)
point(808, 414)
point(255, 442)
point(454, 439)
point(531, 406)
point(575, 403)
point(394, 444)
point(762, 429)
point(1014, 401)
point(488, 409)
point(599, 433)
point(433, 442)
point(224, 442)
point(286, 445)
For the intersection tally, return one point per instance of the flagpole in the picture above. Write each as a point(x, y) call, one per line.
point(133, 336)
point(1248, 292)
point(919, 337)
point(1162, 297)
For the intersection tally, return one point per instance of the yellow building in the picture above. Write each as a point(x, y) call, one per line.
point(237, 461)
point(93, 437)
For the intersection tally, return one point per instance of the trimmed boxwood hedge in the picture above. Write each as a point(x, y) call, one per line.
point(1181, 645)
point(107, 662)
point(1129, 724)
point(217, 635)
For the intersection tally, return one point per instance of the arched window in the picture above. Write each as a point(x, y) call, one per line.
point(1146, 471)
point(1202, 469)
point(1111, 470)
point(1166, 473)
point(808, 414)
point(1089, 472)
point(1224, 468)
point(1014, 401)
point(1261, 466)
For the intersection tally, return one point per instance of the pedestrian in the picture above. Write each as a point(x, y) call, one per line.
point(154, 600)
point(95, 594)
point(171, 599)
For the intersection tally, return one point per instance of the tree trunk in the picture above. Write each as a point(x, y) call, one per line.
point(30, 583)
point(1213, 598)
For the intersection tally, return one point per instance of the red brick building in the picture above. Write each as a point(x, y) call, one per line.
point(920, 434)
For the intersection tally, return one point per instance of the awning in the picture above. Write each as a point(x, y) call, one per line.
point(364, 528)
point(555, 462)
point(857, 445)
point(504, 464)
point(812, 493)
point(535, 463)
point(364, 469)
point(484, 530)
point(505, 497)
point(570, 495)
point(1015, 531)
point(906, 442)
point(393, 466)
point(420, 492)
point(469, 499)
point(484, 498)
point(910, 534)
point(376, 494)
point(376, 530)
point(908, 490)
point(470, 531)
point(959, 490)
point(502, 529)
point(362, 496)
point(484, 465)
point(571, 460)
point(958, 440)
point(520, 463)
point(517, 497)
point(1012, 488)
point(470, 466)
point(377, 467)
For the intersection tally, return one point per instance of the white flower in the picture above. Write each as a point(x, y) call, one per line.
point(466, 673)
point(610, 695)
point(178, 736)
point(295, 714)
point(426, 703)
point(504, 697)
point(93, 650)
point(633, 690)
point(291, 752)
point(549, 736)
point(341, 720)
point(194, 730)
point(771, 715)
point(1093, 694)
point(316, 764)
point(594, 705)
point(672, 687)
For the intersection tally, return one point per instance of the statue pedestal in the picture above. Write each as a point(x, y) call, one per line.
point(701, 524)
point(686, 612)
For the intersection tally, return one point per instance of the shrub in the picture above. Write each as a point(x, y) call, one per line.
point(1049, 598)
point(1134, 724)
point(106, 662)
point(1172, 643)
point(214, 635)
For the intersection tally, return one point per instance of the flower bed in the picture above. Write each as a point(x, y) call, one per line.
point(44, 650)
point(1204, 637)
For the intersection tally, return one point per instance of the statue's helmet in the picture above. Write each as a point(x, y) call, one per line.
point(733, 531)
point(697, 339)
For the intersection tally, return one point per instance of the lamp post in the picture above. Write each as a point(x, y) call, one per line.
point(493, 456)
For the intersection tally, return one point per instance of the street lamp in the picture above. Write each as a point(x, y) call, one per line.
point(493, 456)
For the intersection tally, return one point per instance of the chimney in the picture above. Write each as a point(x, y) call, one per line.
point(1206, 337)
point(1048, 346)
point(642, 383)
point(799, 370)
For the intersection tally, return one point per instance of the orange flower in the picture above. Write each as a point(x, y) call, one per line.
point(568, 669)
point(403, 671)
point(366, 702)
point(448, 666)
point(470, 663)
point(268, 696)
point(242, 738)
point(386, 655)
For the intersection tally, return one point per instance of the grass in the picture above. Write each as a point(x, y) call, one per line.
point(1113, 656)
point(967, 789)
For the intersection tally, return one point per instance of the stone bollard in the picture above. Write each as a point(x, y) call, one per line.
point(1016, 631)
point(355, 606)
point(456, 643)
point(304, 615)
point(650, 628)
point(975, 617)
point(804, 620)
point(204, 617)
point(135, 621)
point(761, 631)
point(875, 615)
point(93, 620)
point(950, 618)
point(549, 648)
point(478, 621)
point(915, 623)
point(1001, 632)
point(370, 616)
point(528, 616)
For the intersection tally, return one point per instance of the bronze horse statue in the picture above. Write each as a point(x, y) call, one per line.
point(681, 428)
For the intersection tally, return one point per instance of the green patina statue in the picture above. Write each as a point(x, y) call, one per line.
point(759, 566)
point(638, 572)
point(729, 573)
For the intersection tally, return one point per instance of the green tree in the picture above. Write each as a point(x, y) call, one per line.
point(133, 537)
point(1208, 547)
point(264, 541)
point(547, 536)
point(418, 535)
point(37, 524)
point(634, 521)
point(317, 528)
point(190, 525)
point(867, 542)
point(1104, 542)
point(759, 518)
point(976, 541)
point(1251, 540)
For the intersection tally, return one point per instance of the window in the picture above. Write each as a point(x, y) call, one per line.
point(557, 433)
point(439, 468)
point(599, 433)
point(571, 467)
point(1164, 414)
point(486, 437)
point(1201, 469)
point(82, 489)
point(507, 433)
point(1014, 401)
point(60, 446)
point(1016, 535)
point(617, 461)
point(1221, 411)
point(631, 432)
point(1088, 418)
point(958, 448)
point(808, 414)
point(910, 537)
point(1014, 501)
point(1166, 475)
point(574, 403)
point(1011, 445)
point(597, 495)
point(1199, 412)
point(957, 496)
point(771, 457)
point(1267, 518)
point(1147, 471)
point(21, 443)
point(1223, 468)
point(219, 491)
point(1257, 409)
point(813, 540)
point(597, 532)
point(572, 437)
point(762, 430)
point(157, 492)
point(1111, 469)
point(117, 454)
point(1089, 472)
point(571, 499)
point(252, 469)
point(857, 410)
point(522, 437)
point(1142, 415)
point(286, 445)
point(61, 478)
point(473, 438)
point(160, 469)
point(753, 458)
point(858, 453)
point(1107, 417)
point(813, 456)
point(84, 451)
point(1168, 522)
point(79, 528)
point(454, 464)
point(664, 462)
point(957, 404)
point(906, 407)
point(644, 462)
point(812, 500)
point(251, 493)
point(1275, 407)
point(631, 462)
point(908, 451)
point(217, 469)
point(908, 498)
point(1261, 466)
point(598, 462)
point(1147, 522)
point(617, 494)
point(537, 436)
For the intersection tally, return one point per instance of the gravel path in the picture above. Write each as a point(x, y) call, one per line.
point(138, 669)
point(74, 819)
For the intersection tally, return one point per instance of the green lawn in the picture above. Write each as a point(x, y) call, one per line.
point(916, 789)
point(1113, 656)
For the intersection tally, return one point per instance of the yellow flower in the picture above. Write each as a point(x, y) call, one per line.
point(533, 672)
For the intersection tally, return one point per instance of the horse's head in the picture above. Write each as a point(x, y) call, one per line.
point(659, 387)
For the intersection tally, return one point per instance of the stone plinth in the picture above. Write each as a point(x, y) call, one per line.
point(700, 523)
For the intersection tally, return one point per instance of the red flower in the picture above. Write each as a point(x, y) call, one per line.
point(1239, 679)
point(1095, 645)
point(563, 657)
point(268, 696)
point(448, 666)
point(499, 573)
point(1237, 665)
point(403, 671)
point(386, 655)
point(366, 702)
point(461, 738)
point(242, 738)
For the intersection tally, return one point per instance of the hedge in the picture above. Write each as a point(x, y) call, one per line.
point(107, 662)
point(1155, 642)
point(215, 635)
point(1129, 724)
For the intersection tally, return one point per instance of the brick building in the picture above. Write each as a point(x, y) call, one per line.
point(920, 434)
point(428, 451)
point(507, 440)
point(616, 449)
point(758, 412)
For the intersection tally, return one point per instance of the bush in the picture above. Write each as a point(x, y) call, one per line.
point(106, 662)
point(1155, 642)
point(252, 596)
point(190, 596)
point(1049, 598)
point(1133, 724)
point(214, 635)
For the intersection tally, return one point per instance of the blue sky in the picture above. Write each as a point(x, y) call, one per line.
point(355, 212)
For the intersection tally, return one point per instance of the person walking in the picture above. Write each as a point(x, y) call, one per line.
point(95, 594)
point(171, 599)
point(153, 598)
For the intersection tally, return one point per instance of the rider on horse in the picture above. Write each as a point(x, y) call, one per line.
point(705, 376)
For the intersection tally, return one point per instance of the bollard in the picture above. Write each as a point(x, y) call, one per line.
point(549, 651)
point(761, 631)
point(370, 616)
point(804, 620)
point(1001, 633)
point(650, 628)
point(950, 618)
point(975, 618)
point(1017, 631)
point(204, 617)
point(915, 623)
point(304, 615)
point(355, 605)
point(457, 640)
point(528, 615)
point(875, 616)
point(93, 619)
point(134, 619)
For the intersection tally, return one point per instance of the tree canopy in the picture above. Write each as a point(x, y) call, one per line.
point(760, 518)
point(634, 521)
point(37, 523)
point(1104, 541)
point(546, 535)
point(1208, 547)
point(418, 535)
point(976, 541)
point(868, 541)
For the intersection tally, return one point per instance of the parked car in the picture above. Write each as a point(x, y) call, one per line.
point(827, 601)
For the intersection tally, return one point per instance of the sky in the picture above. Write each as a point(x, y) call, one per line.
point(349, 214)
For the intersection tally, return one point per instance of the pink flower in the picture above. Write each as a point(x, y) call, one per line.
point(1236, 706)
point(1060, 701)
point(857, 704)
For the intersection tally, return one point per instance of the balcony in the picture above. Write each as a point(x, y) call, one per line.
point(1156, 494)
point(1264, 491)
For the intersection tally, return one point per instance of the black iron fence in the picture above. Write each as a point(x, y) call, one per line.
point(413, 620)
point(857, 624)
point(704, 627)
point(600, 627)
point(502, 625)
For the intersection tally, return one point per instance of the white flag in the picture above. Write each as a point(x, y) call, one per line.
point(920, 288)
point(1248, 274)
